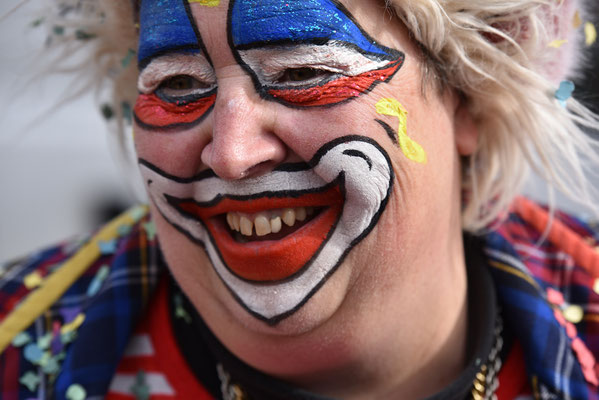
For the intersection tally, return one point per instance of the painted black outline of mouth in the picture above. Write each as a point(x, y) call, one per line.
point(293, 167)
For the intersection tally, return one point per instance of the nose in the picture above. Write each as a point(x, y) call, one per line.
point(244, 142)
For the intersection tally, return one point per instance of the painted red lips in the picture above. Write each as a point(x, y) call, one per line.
point(268, 260)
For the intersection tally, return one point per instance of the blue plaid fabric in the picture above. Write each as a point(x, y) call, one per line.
point(523, 269)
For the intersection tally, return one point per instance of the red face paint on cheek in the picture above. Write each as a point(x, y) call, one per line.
point(154, 113)
point(336, 91)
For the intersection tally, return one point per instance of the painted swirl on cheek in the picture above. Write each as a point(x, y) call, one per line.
point(336, 91)
point(151, 112)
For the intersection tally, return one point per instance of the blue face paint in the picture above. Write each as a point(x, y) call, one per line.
point(323, 32)
point(257, 23)
point(165, 26)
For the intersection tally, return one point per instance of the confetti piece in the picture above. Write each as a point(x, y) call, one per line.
point(96, 283)
point(124, 230)
point(43, 342)
point(30, 380)
point(207, 3)
point(590, 33)
point(107, 247)
point(51, 367)
point(68, 337)
point(83, 35)
point(58, 30)
point(573, 314)
point(137, 213)
point(596, 286)
point(127, 111)
point(33, 280)
point(21, 339)
point(409, 147)
point(564, 92)
point(140, 388)
point(33, 353)
point(556, 44)
point(150, 229)
point(180, 311)
point(37, 22)
point(107, 111)
point(576, 20)
point(126, 61)
point(73, 325)
point(56, 344)
point(76, 392)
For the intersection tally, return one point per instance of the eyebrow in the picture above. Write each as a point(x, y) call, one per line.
point(166, 26)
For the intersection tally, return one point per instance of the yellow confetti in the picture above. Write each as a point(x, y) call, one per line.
point(573, 314)
point(409, 147)
point(33, 280)
point(73, 325)
point(556, 44)
point(576, 21)
point(590, 33)
point(207, 3)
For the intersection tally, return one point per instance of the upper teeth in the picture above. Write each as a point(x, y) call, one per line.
point(267, 221)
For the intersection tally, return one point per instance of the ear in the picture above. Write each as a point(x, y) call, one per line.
point(465, 130)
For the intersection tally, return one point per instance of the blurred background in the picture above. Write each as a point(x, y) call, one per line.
point(59, 174)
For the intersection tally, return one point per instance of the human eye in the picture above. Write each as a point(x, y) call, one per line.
point(302, 75)
point(181, 88)
point(176, 92)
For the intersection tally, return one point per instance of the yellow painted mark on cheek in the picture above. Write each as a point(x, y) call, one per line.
point(409, 147)
point(207, 3)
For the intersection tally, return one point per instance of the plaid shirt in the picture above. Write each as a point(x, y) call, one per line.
point(77, 342)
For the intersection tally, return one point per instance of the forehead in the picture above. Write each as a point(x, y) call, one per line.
point(169, 25)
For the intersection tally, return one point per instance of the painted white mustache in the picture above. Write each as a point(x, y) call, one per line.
point(358, 163)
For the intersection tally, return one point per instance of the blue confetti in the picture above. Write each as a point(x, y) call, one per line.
point(107, 247)
point(33, 353)
point(98, 280)
point(124, 230)
point(564, 92)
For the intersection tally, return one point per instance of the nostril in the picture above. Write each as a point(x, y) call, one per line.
point(258, 169)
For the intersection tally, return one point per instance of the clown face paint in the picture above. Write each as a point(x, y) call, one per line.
point(347, 182)
point(307, 53)
point(171, 57)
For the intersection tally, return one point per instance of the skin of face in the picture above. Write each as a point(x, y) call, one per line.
point(392, 318)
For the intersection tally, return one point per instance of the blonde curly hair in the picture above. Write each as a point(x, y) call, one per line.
point(505, 57)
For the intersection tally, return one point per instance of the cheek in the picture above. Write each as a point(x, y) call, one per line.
point(175, 151)
point(306, 131)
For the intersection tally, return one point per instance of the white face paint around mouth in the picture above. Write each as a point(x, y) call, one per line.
point(350, 178)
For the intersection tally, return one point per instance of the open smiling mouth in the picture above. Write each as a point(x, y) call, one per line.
point(274, 240)
point(268, 238)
